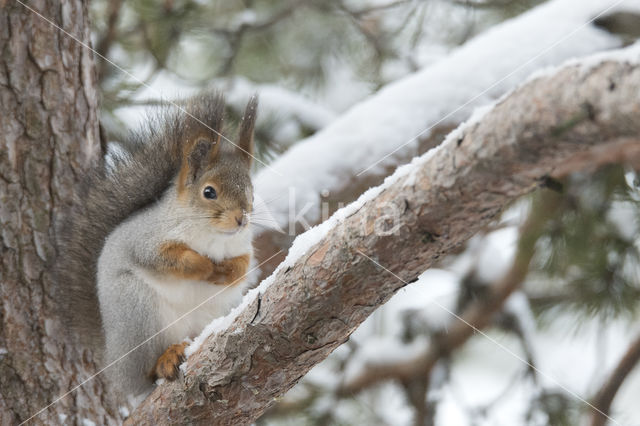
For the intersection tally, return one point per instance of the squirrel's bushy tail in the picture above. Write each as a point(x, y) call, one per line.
point(112, 191)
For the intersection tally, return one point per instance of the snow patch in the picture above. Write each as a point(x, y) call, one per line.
point(518, 305)
point(283, 101)
point(124, 411)
point(381, 350)
point(624, 216)
point(629, 55)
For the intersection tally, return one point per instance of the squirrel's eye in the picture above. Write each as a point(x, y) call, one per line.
point(210, 193)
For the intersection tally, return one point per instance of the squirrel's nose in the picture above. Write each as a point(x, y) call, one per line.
point(242, 219)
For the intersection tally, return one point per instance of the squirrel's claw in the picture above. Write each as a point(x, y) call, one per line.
point(167, 365)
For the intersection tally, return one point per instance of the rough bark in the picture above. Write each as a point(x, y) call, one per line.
point(48, 134)
point(313, 306)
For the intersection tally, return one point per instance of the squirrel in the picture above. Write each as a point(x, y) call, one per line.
point(159, 230)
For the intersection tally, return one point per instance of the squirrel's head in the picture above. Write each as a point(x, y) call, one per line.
point(214, 178)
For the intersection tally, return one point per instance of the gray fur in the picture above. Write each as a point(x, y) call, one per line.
point(120, 214)
point(133, 304)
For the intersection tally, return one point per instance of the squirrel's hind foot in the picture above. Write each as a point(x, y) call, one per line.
point(167, 365)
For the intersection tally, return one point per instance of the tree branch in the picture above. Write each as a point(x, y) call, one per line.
point(436, 103)
point(104, 44)
point(476, 316)
point(607, 392)
point(326, 287)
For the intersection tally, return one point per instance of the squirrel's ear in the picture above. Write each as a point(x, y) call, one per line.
point(245, 138)
point(199, 156)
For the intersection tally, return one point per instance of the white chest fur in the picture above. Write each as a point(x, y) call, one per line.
point(187, 306)
point(221, 246)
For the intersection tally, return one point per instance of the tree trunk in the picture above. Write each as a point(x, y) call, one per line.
point(48, 135)
point(317, 298)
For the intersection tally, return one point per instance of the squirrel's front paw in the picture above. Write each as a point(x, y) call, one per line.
point(167, 365)
point(235, 268)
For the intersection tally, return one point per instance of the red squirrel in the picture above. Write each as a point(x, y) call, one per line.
point(154, 233)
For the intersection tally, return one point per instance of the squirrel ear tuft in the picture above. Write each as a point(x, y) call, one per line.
point(199, 155)
point(245, 137)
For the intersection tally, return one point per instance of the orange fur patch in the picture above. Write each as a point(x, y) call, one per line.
point(191, 143)
point(234, 268)
point(183, 262)
point(182, 187)
point(167, 365)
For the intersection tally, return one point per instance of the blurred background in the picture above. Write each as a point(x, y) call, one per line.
point(556, 279)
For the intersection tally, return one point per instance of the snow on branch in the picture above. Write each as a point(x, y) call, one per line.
point(338, 160)
point(339, 272)
point(328, 168)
